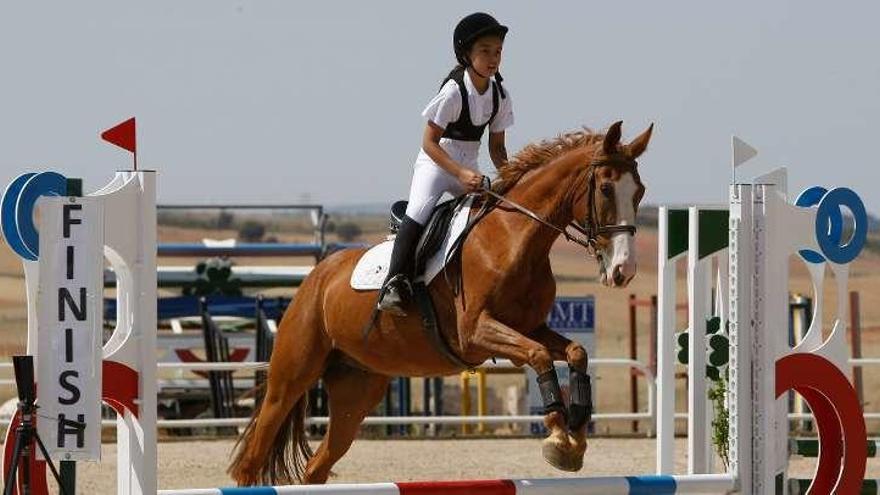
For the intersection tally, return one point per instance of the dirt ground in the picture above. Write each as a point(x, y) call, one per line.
point(203, 464)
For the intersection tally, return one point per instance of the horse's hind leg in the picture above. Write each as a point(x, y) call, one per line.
point(273, 448)
point(353, 393)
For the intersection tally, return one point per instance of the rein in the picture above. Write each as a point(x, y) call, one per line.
point(589, 244)
point(590, 229)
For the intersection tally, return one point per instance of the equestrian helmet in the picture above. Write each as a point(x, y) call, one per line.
point(470, 29)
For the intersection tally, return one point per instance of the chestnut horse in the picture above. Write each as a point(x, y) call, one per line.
point(507, 291)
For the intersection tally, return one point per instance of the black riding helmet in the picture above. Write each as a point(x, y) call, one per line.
point(470, 29)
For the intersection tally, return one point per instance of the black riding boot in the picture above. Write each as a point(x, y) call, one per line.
point(396, 289)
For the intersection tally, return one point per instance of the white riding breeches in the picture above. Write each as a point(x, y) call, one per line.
point(429, 182)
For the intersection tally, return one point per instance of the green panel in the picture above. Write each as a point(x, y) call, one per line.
point(809, 447)
point(677, 232)
point(806, 447)
point(714, 234)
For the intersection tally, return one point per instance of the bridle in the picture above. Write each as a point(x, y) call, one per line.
point(591, 228)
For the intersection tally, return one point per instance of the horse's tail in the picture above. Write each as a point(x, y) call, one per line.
point(287, 457)
point(291, 451)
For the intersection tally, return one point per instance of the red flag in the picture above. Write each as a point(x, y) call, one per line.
point(123, 135)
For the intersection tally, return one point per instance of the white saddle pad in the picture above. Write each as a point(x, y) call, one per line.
point(372, 268)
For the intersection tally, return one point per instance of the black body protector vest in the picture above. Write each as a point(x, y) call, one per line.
point(464, 129)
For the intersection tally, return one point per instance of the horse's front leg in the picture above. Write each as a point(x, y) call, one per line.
point(499, 339)
point(580, 407)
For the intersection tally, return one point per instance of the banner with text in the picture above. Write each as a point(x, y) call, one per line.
point(70, 324)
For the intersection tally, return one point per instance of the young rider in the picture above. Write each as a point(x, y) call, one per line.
point(470, 99)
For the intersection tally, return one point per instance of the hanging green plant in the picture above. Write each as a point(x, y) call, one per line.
point(721, 422)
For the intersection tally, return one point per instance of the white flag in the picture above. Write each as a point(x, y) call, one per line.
point(742, 151)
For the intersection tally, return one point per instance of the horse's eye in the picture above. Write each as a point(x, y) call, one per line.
point(607, 190)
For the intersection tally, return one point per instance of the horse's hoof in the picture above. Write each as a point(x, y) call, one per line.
point(560, 459)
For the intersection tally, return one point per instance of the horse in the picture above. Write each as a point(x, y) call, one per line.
point(506, 290)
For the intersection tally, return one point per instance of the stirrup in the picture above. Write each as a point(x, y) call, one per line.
point(392, 295)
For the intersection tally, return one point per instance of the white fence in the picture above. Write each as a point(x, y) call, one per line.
point(649, 415)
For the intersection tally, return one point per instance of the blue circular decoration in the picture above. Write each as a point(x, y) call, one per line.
point(811, 197)
point(43, 184)
point(829, 210)
point(8, 224)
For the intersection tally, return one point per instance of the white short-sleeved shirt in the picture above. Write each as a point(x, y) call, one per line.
point(445, 109)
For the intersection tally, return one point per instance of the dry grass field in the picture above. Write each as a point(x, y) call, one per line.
point(201, 464)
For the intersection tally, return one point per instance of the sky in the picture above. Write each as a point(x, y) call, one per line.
point(281, 101)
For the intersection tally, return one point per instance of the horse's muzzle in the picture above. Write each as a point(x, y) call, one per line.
point(621, 277)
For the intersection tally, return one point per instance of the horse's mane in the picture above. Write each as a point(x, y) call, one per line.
point(537, 154)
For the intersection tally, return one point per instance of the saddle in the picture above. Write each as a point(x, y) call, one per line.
point(434, 249)
point(436, 230)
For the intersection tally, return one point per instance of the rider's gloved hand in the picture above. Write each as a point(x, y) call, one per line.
point(470, 179)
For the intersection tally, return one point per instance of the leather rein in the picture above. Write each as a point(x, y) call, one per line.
point(591, 229)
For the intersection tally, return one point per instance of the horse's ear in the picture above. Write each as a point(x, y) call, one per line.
point(612, 138)
point(639, 144)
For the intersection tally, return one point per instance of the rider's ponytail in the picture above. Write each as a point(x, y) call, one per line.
point(498, 80)
point(451, 74)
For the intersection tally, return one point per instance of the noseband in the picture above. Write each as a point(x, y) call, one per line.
point(591, 228)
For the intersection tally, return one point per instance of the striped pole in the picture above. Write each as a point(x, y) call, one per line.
point(610, 485)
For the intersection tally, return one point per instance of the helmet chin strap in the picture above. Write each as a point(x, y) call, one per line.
point(498, 77)
point(477, 72)
point(470, 66)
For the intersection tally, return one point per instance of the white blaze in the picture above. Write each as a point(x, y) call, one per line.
point(623, 248)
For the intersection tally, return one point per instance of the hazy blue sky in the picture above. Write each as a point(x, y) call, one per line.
point(286, 101)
